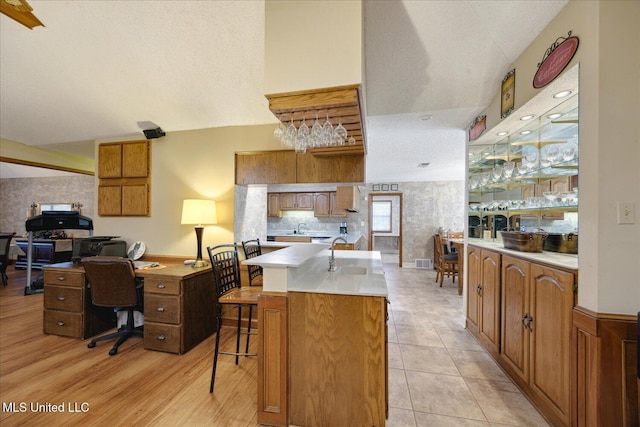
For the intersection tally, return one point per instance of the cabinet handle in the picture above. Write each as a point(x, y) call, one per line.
point(479, 289)
point(62, 298)
point(61, 278)
point(160, 309)
point(529, 322)
point(161, 337)
point(60, 323)
point(160, 286)
point(524, 319)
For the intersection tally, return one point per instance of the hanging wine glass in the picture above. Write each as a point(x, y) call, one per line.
point(278, 132)
point(316, 133)
point(327, 133)
point(340, 133)
point(290, 135)
point(303, 133)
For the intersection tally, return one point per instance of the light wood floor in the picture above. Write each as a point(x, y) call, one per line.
point(135, 387)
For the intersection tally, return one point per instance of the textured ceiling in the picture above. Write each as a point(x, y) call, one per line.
point(99, 67)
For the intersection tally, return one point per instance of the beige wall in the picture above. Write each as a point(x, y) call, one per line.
point(10, 150)
point(189, 164)
point(609, 59)
point(303, 53)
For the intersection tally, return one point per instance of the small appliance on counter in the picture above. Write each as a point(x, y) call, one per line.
point(343, 228)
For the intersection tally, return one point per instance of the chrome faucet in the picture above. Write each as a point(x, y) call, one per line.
point(332, 257)
point(302, 223)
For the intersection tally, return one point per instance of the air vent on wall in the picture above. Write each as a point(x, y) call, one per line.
point(423, 165)
point(424, 263)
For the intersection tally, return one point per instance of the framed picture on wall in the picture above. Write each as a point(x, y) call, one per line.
point(394, 187)
point(385, 187)
point(376, 187)
point(507, 93)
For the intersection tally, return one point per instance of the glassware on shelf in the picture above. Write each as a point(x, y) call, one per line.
point(507, 169)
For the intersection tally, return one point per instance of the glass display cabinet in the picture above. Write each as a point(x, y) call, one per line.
point(527, 181)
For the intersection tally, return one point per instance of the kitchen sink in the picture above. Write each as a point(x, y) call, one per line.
point(353, 270)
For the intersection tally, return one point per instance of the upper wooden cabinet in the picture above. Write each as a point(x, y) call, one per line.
point(287, 167)
point(348, 198)
point(125, 178)
point(340, 104)
point(266, 167)
point(325, 206)
point(296, 201)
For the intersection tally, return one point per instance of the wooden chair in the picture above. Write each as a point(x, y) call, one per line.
point(5, 243)
point(446, 264)
point(230, 296)
point(113, 284)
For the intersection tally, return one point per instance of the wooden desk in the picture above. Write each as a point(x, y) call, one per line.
point(179, 306)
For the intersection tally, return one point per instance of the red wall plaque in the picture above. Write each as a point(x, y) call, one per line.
point(556, 60)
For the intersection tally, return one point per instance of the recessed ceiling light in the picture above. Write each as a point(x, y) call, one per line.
point(525, 132)
point(423, 165)
point(554, 116)
point(425, 117)
point(527, 117)
point(503, 133)
point(562, 94)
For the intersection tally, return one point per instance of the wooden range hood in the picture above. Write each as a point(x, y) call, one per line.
point(339, 104)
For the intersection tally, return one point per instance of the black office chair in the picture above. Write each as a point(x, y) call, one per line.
point(5, 242)
point(113, 284)
point(229, 293)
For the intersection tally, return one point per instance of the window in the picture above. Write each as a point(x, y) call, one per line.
point(381, 216)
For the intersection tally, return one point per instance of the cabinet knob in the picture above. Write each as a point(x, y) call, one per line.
point(160, 309)
point(61, 278)
point(160, 286)
point(60, 323)
point(161, 337)
point(62, 298)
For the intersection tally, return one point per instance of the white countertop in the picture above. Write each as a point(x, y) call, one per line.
point(304, 267)
point(568, 261)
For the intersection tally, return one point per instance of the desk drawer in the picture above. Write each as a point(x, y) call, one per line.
point(162, 308)
point(64, 278)
point(63, 298)
point(63, 323)
point(162, 337)
point(161, 286)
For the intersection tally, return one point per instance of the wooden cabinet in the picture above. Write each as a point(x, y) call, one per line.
point(536, 333)
point(124, 172)
point(266, 167)
point(296, 201)
point(44, 252)
point(337, 360)
point(483, 301)
point(178, 311)
point(325, 206)
point(348, 197)
point(68, 310)
point(273, 205)
point(313, 169)
point(356, 246)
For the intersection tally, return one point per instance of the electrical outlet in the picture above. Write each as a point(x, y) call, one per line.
point(626, 213)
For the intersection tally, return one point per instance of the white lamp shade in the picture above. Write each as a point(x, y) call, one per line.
point(198, 211)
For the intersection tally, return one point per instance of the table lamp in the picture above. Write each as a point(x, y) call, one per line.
point(199, 212)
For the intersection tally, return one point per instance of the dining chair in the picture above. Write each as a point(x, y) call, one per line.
point(5, 243)
point(446, 264)
point(230, 295)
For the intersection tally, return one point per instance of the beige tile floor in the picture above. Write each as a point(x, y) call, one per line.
point(438, 373)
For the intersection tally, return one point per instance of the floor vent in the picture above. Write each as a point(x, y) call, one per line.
point(424, 263)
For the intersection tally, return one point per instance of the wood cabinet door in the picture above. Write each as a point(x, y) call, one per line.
point(270, 167)
point(473, 281)
point(287, 201)
point(335, 211)
point(322, 206)
point(515, 304)
point(135, 200)
point(273, 205)
point(110, 160)
point(489, 327)
point(109, 200)
point(135, 159)
point(304, 201)
point(552, 300)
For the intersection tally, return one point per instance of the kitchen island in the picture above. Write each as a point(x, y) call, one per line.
point(322, 357)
